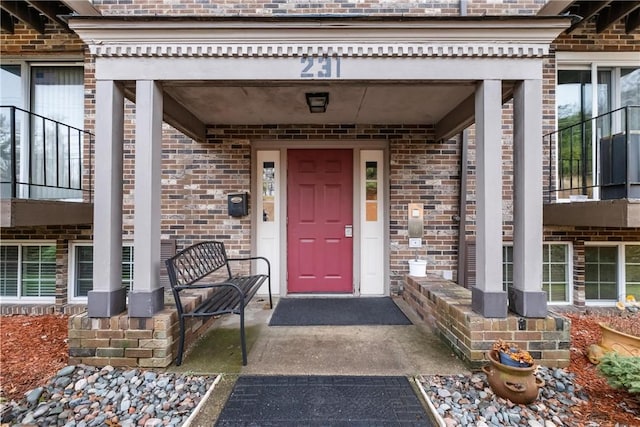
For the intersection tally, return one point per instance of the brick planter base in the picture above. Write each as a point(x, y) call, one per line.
point(446, 308)
point(129, 341)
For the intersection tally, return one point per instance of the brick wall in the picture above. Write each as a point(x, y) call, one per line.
point(53, 42)
point(585, 39)
point(304, 7)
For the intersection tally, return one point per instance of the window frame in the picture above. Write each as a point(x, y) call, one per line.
point(26, 92)
point(19, 299)
point(620, 272)
point(613, 62)
point(569, 270)
point(72, 274)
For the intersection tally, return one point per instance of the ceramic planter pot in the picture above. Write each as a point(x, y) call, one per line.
point(613, 340)
point(518, 384)
point(505, 359)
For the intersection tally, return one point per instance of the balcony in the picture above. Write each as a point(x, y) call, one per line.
point(595, 174)
point(45, 171)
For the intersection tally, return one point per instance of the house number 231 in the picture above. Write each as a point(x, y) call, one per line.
point(322, 67)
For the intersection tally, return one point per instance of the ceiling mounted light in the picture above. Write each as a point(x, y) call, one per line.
point(317, 102)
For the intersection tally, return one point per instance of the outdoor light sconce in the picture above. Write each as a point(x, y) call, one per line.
point(317, 102)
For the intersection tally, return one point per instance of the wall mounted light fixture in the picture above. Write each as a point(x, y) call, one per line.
point(317, 102)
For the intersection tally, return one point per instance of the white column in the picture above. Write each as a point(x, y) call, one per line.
point(488, 297)
point(108, 297)
point(527, 297)
point(147, 296)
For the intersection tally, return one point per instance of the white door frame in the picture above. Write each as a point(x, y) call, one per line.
point(277, 152)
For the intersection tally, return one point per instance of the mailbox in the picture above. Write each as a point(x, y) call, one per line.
point(238, 204)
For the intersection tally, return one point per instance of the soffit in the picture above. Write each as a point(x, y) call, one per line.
point(603, 14)
point(37, 14)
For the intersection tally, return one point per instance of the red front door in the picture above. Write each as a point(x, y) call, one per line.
point(320, 214)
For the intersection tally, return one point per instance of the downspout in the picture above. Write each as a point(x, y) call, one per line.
point(462, 211)
point(462, 215)
point(463, 7)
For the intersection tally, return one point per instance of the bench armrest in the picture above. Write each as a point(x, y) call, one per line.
point(254, 258)
point(268, 271)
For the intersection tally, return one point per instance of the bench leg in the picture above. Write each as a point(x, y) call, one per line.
point(181, 342)
point(243, 343)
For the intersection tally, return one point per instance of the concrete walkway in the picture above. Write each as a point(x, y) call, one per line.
point(315, 350)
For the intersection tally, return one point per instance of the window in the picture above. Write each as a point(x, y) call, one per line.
point(555, 271)
point(632, 270)
point(507, 267)
point(268, 191)
point(82, 276)
point(612, 272)
point(50, 158)
point(28, 271)
point(586, 90)
point(371, 191)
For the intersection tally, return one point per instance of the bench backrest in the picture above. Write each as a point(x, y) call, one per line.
point(196, 262)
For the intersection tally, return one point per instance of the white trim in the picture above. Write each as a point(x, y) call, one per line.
point(372, 233)
point(419, 50)
point(71, 272)
point(267, 234)
point(602, 59)
point(334, 37)
point(77, 60)
point(28, 300)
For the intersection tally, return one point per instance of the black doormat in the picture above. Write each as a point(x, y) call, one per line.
point(322, 401)
point(337, 312)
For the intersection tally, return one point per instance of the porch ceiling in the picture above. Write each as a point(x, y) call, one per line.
point(353, 103)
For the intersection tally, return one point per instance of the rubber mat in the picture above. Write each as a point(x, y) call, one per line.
point(323, 401)
point(337, 312)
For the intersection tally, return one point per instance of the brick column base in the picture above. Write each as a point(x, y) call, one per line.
point(124, 341)
point(446, 307)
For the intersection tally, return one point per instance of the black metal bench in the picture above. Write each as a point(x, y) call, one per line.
point(189, 270)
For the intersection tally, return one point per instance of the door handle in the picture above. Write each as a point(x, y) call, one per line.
point(348, 230)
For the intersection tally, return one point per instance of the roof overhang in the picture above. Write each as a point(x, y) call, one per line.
point(224, 92)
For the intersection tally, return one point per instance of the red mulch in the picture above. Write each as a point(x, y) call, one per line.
point(606, 406)
point(34, 348)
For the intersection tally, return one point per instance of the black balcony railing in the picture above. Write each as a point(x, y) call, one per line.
point(41, 158)
point(598, 158)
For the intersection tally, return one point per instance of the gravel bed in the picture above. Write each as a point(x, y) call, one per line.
point(469, 401)
point(86, 396)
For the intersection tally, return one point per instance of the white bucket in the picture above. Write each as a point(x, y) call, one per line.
point(418, 267)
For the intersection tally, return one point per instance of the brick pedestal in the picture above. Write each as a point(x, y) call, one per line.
point(446, 308)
